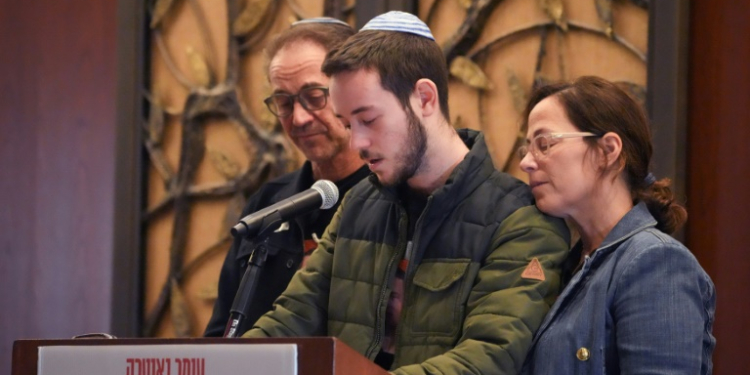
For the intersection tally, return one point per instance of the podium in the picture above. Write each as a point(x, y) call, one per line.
point(315, 355)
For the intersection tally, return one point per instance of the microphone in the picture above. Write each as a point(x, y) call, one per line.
point(323, 194)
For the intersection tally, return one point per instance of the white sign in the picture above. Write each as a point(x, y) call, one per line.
point(208, 359)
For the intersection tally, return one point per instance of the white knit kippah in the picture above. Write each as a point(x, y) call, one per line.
point(320, 20)
point(401, 22)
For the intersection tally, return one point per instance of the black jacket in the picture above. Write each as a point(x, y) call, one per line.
point(279, 269)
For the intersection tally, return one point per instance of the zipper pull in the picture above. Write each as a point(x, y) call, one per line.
point(403, 265)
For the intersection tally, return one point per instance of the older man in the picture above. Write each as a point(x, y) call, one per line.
point(300, 101)
point(439, 264)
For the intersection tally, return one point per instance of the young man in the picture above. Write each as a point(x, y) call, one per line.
point(440, 263)
point(300, 101)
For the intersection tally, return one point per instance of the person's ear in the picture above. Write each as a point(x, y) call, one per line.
point(427, 92)
point(612, 146)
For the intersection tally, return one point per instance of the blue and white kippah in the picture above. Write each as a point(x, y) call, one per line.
point(320, 20)
point(401, 22)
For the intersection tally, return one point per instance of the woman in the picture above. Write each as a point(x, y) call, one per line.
point(635, 300)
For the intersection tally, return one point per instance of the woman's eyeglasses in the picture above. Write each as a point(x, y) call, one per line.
point(541, 144)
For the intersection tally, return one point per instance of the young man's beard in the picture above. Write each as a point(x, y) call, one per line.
point(411, 161)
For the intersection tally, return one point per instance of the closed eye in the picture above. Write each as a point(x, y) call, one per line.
point(369, 122)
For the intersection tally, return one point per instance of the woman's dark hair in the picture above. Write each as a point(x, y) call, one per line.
point(598, 106)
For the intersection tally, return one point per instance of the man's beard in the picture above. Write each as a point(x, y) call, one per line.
point(411, 161)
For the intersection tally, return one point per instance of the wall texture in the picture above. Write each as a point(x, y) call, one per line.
point(719, 168)
point(57, 122)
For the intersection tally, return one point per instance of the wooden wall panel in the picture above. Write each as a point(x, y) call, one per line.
point(512, 62)
point(719, 168)
point(184, 251)
point(16, 183)
point(57, 121)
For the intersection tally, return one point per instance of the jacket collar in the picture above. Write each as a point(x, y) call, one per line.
point(476, 167)
point(469, 173)
point(636, 220)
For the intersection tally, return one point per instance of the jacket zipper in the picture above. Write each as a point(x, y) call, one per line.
point(408, 279)
point(417, 232)
point(379, 321)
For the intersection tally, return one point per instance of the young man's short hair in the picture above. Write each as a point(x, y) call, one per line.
point(400, 58)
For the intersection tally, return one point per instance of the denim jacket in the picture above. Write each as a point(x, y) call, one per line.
point(640, 304)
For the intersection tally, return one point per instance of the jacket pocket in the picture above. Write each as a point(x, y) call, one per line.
point(440, 291)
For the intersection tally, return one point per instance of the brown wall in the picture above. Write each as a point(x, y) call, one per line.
point(57, 123)
point(719, 168)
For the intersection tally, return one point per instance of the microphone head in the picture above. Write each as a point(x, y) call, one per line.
point(328, 191)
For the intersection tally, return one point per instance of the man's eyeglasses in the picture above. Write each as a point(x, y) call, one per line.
point(541, 144)
point(311, 99)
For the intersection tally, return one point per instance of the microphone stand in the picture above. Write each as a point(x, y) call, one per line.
point(242, 299)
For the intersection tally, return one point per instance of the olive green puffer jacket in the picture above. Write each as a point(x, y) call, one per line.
point(467, 309)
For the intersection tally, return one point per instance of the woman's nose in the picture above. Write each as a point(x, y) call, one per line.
point(528, 163)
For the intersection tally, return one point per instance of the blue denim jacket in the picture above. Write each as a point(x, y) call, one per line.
point(640, 304)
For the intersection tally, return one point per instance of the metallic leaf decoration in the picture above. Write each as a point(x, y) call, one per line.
point(604, 9)
point(637, 91)
point(555, 10)
point(516, 91)
point(521, 137)
point(234, 210)
point(156, 121)
point(161, 8)
point(208, 293)
point(250, 17)
point(266, 118)
point(198, 65)
point(641, 3)
point(540, 80)
point(180, 310)
point(466, 4)
point(470, 73)
point(459, 122)
point(226, 166)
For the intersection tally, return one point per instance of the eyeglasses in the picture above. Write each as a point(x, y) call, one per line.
point(542, 143)
point(311, 99)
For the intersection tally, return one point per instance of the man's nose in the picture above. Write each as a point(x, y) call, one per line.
point(358, 140)
point(300, 116)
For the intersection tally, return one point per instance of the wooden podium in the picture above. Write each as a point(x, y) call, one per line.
point(316, 355)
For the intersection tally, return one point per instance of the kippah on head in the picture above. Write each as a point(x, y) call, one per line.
point(320, 20)
point(401, 22)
